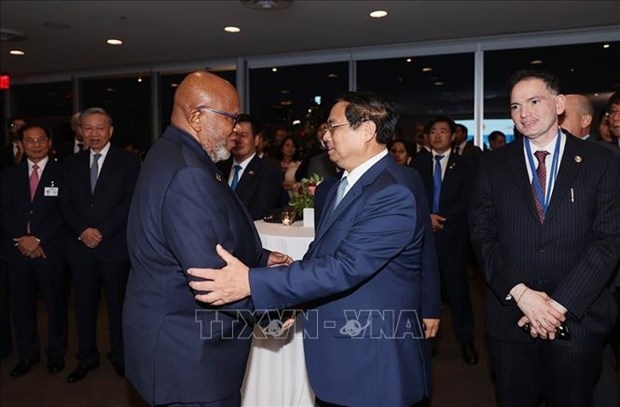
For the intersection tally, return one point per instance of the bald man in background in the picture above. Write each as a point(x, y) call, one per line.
point(577, 116)
point(179, 352)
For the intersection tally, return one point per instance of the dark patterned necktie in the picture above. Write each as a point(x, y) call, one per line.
point(541, 173)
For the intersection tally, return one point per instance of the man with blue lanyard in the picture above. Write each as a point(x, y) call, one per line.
point(545, 223)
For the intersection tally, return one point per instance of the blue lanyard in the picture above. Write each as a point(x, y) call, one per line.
point(554, 168)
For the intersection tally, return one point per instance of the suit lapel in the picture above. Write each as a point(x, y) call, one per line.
point(521, 178)
point(327, 218)
point(568, 171)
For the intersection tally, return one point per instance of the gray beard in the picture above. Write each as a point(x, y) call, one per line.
point(219, 154)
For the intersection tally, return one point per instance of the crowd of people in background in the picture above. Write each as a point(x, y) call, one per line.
point(80, 237)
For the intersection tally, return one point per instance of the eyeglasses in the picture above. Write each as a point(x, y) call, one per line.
point(33, 141)
point(331, 127)
point(233, 116)
point(612, 112)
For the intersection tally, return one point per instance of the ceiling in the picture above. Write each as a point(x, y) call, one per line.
point(70, 36)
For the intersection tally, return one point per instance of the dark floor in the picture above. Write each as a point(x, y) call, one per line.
point(455, 384)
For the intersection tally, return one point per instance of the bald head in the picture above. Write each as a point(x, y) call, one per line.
point(200, 88)
point(204, 107)
point(577, 116)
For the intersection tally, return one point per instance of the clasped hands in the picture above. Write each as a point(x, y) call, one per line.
point(29, 246)
point(543, 314)
point(230, 283)
point(91, 237)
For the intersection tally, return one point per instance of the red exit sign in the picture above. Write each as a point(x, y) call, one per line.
point(5, 81)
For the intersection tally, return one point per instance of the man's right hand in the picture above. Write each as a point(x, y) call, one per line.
point(91, 237)
point(543, 317)
point(437, 222)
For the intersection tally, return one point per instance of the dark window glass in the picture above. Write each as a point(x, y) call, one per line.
point(128, 101)
point(48, 103)
point(422, 87)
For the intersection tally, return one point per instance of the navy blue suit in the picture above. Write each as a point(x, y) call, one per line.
point(365, 290)
point(179, 350)
point(26, 275)
point(453, 240)
point(260, 185)
point(571, 256)
point(105, 209)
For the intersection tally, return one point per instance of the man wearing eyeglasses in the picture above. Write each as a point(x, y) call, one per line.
point(177, 351)
point(33, 241)
point(369, 285)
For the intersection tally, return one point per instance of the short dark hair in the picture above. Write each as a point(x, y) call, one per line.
point(613, 100)
point(254, 123)
point(552, 81)
point(442, 119)
point(368, 106)
point(495, 134)
point(45, 128)
point(462, 127)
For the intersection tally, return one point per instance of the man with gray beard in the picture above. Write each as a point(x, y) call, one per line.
point(177, 351)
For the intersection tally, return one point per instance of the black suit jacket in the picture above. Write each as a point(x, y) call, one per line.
point(42, 213)
point(571, 256)
point(106, 209)
point(260, 185)
point(456, 189)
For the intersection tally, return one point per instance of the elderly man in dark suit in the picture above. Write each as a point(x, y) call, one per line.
point(177, 351)
point(99, 185)
point(33, 238)
point(545, 220)
point(257, 182)
point(448, 178)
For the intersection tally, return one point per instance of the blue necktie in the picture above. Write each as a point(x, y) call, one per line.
point(235, 180)
point(340, 194)
point(437, 183)
point(94, 171)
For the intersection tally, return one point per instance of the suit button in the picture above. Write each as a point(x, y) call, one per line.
point(541, 249)
point(92, 205)
point(31, 212)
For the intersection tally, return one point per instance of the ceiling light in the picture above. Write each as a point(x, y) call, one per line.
point(332, 75)
point(536, 62)
point(408, 60)
point(113, 41)
point(232, 29)
point(174, 85)
point(427, 69)
point(274, 69)
point(378, 14)
point(606, 45)
point(8, 34)
point(17, 52)
point(266, 4)
point(438, 83)
point(139, 79)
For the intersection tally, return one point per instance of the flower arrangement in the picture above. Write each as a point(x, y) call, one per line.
point(304, 194)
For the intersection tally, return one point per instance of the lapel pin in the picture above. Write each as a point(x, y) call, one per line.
point(218, 176)
point(577, 158)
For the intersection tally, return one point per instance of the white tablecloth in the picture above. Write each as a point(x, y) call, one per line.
point(276, 370)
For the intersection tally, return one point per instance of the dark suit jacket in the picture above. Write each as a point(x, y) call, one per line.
point(571, 256)
point(364, 266)
point(43, 213)
point(178, 350)
point(6, 156)
point(106, 209)
point(456, 189)
point(260, 186)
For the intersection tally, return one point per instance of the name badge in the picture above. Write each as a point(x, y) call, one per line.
point(50, 191)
